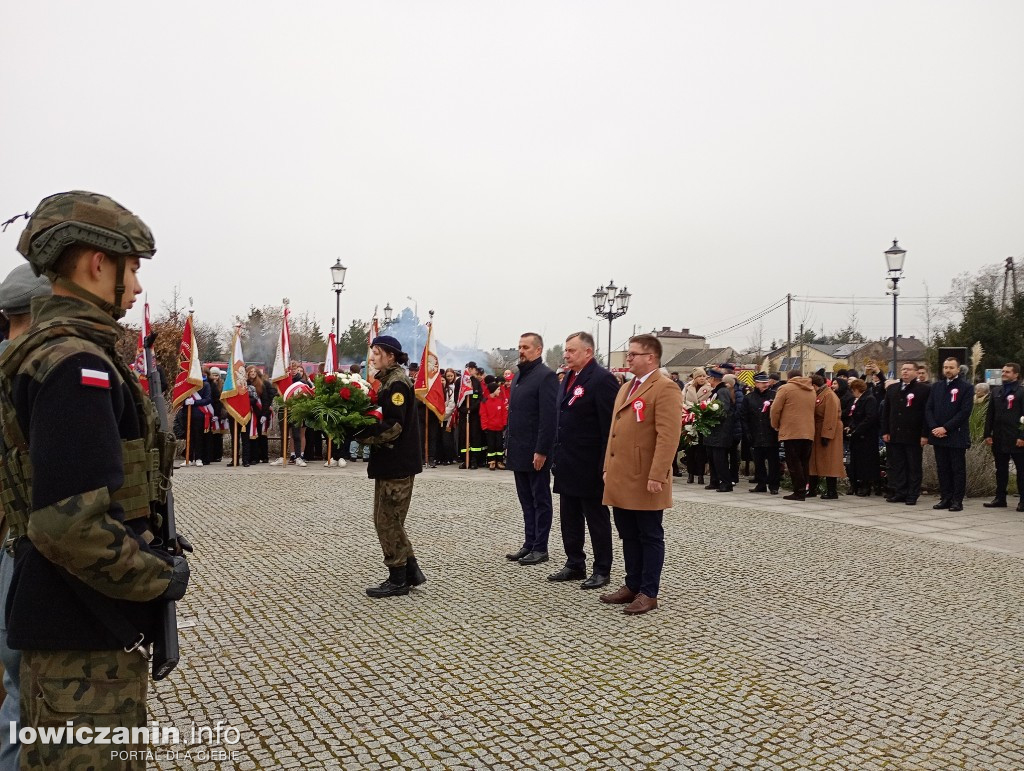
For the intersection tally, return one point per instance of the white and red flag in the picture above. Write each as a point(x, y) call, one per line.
point(235, 396)
point(371, 373)
point(429, 383)
point(190, 375)
point(139, 365)
point(279, 375)
point(331, 360)
point(465, 388)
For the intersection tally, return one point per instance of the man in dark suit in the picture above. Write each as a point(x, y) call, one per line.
point(1004, 433)
point(904, 434)
point(947, 417)
point(764, 440)
point(584, 419)
point(531, 433)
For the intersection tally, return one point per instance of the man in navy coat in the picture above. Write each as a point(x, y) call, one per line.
point(1004, 433)
point(947, 417)
point(529, 438)
point(585, 403)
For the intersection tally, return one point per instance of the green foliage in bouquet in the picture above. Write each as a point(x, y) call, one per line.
point(338, 406)
point(698, 420)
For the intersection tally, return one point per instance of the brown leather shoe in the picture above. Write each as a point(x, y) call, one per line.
point(620, 596)
point(641, 604)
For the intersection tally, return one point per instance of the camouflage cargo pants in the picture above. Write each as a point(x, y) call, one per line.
point(391, 500)
point(89, 688)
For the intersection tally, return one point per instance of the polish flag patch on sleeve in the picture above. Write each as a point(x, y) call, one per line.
point(96, 378)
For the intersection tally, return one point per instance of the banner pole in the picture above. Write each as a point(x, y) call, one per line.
point(467, 430)
point(234, 444)
point(188, 435)
point(328, 463)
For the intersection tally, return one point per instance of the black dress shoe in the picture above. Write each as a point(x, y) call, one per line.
point(758, 489)
point(941, 505)
point(710, 487)
point(517, 555)
point(956, 506)
point(911, 501)
point(534, 558)
point(773, 490)
point(596, 581)
point(1020, 505)
point(689, 479)
point(724, 489)
point(895, 499)
point(568, 574)
point(995, 503)
point(831, 497)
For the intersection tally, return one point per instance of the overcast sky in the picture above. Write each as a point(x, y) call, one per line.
point(498, 161)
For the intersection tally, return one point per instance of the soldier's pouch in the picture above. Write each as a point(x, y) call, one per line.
point(113, 694)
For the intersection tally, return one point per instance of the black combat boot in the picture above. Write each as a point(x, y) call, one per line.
point(395, 586)
point(413, 575)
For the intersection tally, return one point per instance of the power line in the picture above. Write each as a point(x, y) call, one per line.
point(761, 314)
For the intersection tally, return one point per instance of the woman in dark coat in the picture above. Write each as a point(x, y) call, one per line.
point(863, 432)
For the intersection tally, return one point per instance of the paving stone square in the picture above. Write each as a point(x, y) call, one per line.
point(786, 637)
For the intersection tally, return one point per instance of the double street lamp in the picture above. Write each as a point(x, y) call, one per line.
point(610, 302)
point(894, 257)
point(338, 279)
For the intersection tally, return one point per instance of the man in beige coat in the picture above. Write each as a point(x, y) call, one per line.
point(792, 415)
point(646, 423)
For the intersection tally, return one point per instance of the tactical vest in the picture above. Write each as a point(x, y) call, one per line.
point(147, 461)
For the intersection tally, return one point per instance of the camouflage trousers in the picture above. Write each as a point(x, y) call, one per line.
point(97, 689)
point(391, 498)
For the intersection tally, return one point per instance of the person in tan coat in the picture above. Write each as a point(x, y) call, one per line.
point(827, 451)
point(792, 415)
point(646, 423)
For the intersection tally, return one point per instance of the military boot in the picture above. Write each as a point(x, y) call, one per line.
point(413, 575)
point(395, 586)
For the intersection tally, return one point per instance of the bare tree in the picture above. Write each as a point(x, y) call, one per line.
point(756, 341)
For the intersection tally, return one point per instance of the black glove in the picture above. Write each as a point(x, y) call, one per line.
point(824, 441)
point(179, 580)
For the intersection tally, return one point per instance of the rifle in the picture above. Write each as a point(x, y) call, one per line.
point(165, 646)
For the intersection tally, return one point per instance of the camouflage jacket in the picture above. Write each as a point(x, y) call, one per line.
point(396, 444)
point(82, 448)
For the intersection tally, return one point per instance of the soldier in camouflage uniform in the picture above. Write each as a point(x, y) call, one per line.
point(84, 467)
point(395, 459)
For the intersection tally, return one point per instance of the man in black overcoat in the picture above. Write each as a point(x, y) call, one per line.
point(585, 403)
point(947, 418)
point(1004, 433)
point(904, 434)
point(764, 440)
point(531, 434)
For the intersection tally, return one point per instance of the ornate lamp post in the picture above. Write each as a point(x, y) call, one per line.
point(338, 279)
point(894, 257)
point(610, 302)
point(388, 316)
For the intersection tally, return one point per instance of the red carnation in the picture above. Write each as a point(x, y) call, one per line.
point(330, 377)
point(345, 393)
point(355, 384)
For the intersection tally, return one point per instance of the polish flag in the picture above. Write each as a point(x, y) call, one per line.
point(466, 387)
point(279, 375)
point(429, 383)
point(235, 396)
point(190, 377)
point(139, 365)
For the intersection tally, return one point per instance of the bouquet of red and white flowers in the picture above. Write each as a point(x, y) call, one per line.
point(698, 420)
point(338, 405)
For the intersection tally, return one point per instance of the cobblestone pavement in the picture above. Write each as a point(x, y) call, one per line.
point(781, 641)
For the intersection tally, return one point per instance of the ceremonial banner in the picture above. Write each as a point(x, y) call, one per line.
point(371, 373)
point(235, 396)
point(190, 376)
point(331, 360)
point(429, 383)
point(466, 387)
point(139, 365)
point(279, 375)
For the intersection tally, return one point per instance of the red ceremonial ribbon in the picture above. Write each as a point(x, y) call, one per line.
point(765, 406)
point(1009, 402)
point(952, 395)
point(638, 408)
point(910, 399)
point(577, 392)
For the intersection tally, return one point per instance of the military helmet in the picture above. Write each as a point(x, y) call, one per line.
point(80, 217)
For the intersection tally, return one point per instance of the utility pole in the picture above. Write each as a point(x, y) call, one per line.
point(1008, 276)
point(802, 347)
point(789, 326)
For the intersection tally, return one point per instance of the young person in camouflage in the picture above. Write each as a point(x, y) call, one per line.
point(395, 459)
point(79, 481)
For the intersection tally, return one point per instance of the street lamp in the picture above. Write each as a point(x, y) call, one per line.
point(388, 316)
point(610, 302)
point(338, 279)
point(894, 257)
